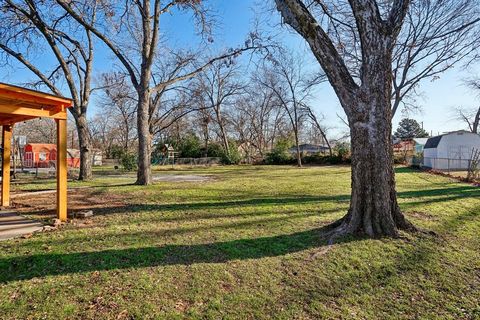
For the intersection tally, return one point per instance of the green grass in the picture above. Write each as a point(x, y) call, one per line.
point(247, 245)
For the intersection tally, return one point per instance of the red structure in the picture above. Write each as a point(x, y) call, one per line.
point(404, 147)
point(44, 155)
point(39, 155)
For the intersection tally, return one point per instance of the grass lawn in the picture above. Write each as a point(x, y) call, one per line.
point(244, 245)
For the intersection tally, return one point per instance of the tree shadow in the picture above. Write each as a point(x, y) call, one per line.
point(257, 202)
point(465, 191)
point(51, 264)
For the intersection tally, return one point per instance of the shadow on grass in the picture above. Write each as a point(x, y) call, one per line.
point(257, 202)
point(441, 194)
point(41, 265)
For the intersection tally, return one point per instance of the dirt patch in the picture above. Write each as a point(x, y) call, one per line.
point(42, 205)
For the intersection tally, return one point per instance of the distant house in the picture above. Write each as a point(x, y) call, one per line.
point(309, 149)
point(73, 158)
point(410, 147)
point(39, 155)
point(404, 147)
point(451, 151)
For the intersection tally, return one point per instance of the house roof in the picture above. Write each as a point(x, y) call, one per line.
point(308, 146)
point(421, 141)
point(433, 142)
point(19, 104)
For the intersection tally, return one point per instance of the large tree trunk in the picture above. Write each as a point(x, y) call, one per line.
point(85, 148)
point(144, 175)
point(373, 208)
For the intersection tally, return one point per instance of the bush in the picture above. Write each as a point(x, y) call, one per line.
point(319, 158)
point(116, 152)
point(129, 161)
point(214, 150)
point(280, 154)
point(190, 147)
point(342, 150)
point(233, 156)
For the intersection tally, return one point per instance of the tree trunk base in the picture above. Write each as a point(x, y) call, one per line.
point(344, 228)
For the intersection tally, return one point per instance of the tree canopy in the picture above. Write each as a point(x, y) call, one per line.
point(409, 129)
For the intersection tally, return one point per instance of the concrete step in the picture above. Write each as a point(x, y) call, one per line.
point(13, 225)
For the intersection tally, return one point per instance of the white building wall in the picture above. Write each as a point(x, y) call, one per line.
point(428, 157)
point(453, 151)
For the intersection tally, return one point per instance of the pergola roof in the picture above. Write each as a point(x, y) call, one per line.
point(19, 104)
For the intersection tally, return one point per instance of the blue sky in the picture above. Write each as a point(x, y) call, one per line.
point(234, 21)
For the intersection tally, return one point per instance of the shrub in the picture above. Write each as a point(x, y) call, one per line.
point(233, 156)
point(342, 150)
point(116, 152)
point(280, 154)
point(129, 161)
point(214, 150)
point(190, 147)
point(319, 158)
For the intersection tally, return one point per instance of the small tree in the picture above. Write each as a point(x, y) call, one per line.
point(280, 153)
point(409, 129)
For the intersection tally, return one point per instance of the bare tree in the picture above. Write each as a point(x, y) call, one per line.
point(39, 130)
point(120, 104)
point(220, 85)
point(105, 133)
point(471, 116)
point(141, 20)
point(373, 207)
point(33, 22)
point(437, 35)
point(321, 129)
point(256, 117)
point(138, 53)
point(293, 87)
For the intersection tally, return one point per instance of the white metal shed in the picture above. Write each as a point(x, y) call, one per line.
point(450, 151)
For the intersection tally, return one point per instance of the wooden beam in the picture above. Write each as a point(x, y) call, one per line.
point(18, 93)
point(9, 120)
point(6, 144)
point(62, 169)
point(24, 111)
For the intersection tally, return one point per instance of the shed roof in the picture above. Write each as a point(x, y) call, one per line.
point(19, 104)
point(433, 142)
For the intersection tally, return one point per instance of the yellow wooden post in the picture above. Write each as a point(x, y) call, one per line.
point(62, 169)
point(6, 143)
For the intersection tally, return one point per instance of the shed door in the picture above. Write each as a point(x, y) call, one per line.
point(459, 152)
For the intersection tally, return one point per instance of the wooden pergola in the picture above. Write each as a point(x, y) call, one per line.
point(19, 104)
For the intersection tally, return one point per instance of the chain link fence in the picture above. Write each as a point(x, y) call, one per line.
point(441, 164)
point(206, 161)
